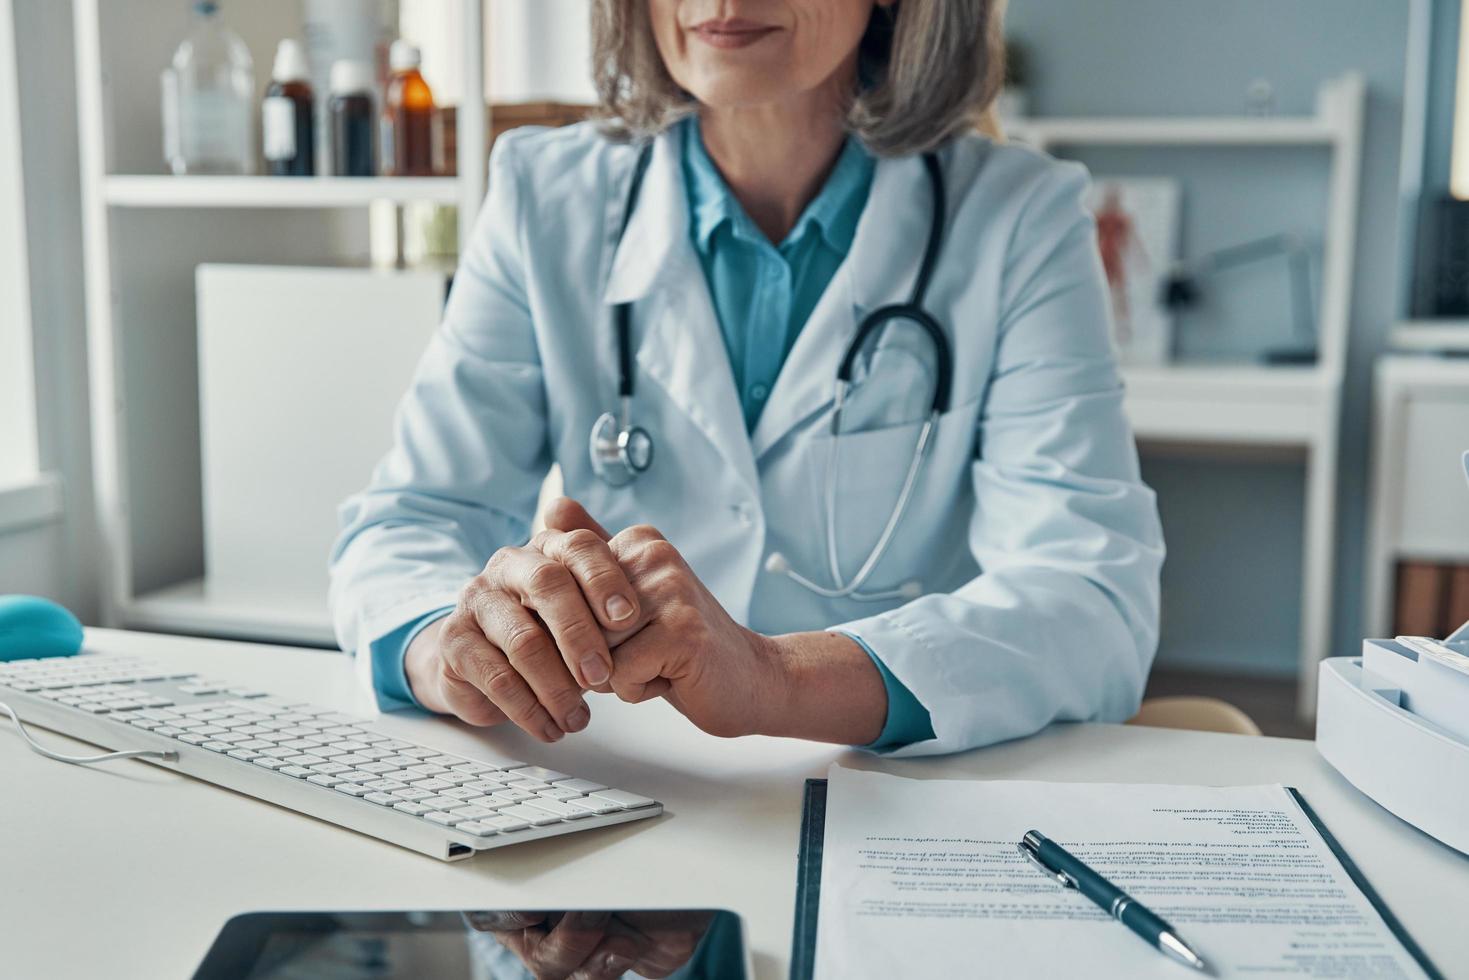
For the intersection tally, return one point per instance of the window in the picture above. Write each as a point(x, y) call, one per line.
point(18, 459)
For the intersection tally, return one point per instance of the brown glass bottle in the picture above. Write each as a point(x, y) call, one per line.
point(408, 114)
point(287, 122)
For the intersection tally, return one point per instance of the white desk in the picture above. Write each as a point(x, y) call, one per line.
point(127, 870)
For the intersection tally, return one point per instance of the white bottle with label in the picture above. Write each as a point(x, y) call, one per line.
point(208, 100)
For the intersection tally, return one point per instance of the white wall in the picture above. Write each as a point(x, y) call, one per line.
point(17, 396)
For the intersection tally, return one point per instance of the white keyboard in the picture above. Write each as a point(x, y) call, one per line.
point(312, 760)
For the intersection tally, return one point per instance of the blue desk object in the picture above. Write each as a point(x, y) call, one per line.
point(33, 627)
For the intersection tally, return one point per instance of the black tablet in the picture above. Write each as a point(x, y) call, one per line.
point(690, 944)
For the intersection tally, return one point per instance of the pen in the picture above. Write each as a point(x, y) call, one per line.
point(1057, 863)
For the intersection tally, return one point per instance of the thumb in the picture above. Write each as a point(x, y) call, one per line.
point(565, 514)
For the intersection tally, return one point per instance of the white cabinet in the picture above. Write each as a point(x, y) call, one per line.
point(300, 370)
point(1420, 502)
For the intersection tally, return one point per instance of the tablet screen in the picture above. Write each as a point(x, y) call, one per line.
point(478, 945)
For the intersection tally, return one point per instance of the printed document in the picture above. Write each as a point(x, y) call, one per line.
point(922, 878)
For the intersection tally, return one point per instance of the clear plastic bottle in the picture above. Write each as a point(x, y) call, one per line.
point(408, 115)
point(209, 99)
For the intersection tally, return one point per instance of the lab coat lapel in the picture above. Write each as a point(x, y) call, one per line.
point(880, 269)
point(676, 332)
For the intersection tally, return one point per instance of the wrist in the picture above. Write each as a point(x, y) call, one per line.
point(822, 687)
point(421, 666)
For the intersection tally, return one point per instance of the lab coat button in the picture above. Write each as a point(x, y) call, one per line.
point(744, 514)
point(758, 392)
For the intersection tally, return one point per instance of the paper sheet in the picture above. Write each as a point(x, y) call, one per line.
point(922, 878)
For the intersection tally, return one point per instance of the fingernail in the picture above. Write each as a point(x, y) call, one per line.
point(618, 608)
point(594, 669)
point(615, 963)
point(553, 732)
point(578, 718)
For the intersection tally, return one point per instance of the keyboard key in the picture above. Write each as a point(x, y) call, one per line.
point(490, 802)
point(592, 805)
point(557, 793)
point(484, 785)
point(443, 802)
point(411, 795)
point(193, 738)
point(580, 785)
point(514, 795)
point(377, 767)
point(418, 752)
point(446, 760)
point(352, 789)
point(331, 769)
point(217, 746)
point(430, 784)
point(427, 769)
point(624, 799)
point(459, 793)
point(276, 752)
point(472, 812)
point(504, 824)
point(266, 762)
point(302, 744)
point(563, 810)
point(539, 772)
point(532, 815)
point(387, 785)
point(358, 776)
point(472, 768)
point(476, 828)
point(306, 759)
point(530, 785)
point(382, 799)
point(300, 772)
point(322, 780)
point(373, 752)
point(244, 755)
point(147, 724)
point(439, 816)
point(257, 745)
point(417, 809)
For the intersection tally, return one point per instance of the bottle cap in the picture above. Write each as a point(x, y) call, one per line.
point(290, 62)
point(403, 56)
point(352, 76)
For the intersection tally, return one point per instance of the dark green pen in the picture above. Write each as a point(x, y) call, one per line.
point(1059, 864)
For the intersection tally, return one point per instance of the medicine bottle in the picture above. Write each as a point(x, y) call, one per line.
point(408, 115)
point(287, 121)
point(351, 114)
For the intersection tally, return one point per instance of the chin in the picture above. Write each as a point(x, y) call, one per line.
point(733, 89)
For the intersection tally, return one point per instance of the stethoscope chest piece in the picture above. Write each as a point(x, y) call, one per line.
point(619, 452)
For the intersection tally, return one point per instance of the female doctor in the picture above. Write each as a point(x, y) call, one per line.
point(828, 379)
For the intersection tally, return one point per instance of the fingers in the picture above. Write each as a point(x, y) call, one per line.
point(592, 564)
point(570, 947)
point(470, 658)
point(565, 514)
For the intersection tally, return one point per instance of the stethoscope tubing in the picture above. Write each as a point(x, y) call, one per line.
point(613, 463)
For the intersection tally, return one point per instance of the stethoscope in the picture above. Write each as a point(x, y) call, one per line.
point(620, 451)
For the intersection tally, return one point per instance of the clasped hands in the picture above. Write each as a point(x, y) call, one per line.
point(577, 609)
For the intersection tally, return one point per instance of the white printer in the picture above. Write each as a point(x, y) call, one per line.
point(1395, 723)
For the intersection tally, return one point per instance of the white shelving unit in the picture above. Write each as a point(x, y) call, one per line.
point(150, 191)
point(145, 231)
point(1260, 407)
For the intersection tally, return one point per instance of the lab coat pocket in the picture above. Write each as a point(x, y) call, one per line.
point(858, 492)
point(868, 476)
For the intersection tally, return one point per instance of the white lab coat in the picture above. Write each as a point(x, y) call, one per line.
point(1037, 545)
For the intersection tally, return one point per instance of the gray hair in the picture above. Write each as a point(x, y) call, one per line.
point(927, 69)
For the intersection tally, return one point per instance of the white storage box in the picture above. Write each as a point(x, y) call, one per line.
point(300, 371)
point(1413, 767)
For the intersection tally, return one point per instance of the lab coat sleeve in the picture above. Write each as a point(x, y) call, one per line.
point(1062, 622)
point(469, 446)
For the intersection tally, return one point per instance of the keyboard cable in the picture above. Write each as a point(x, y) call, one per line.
point(84, 760)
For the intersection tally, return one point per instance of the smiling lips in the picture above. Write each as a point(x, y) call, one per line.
point(732, 33)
